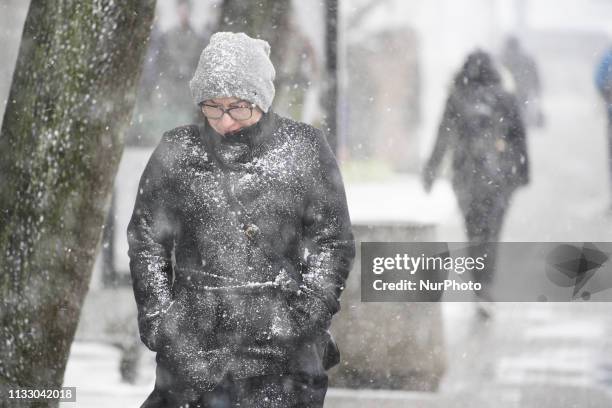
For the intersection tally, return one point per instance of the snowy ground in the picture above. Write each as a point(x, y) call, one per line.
point(93, 368)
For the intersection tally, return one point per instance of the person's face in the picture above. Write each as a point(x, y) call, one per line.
point(226, 124)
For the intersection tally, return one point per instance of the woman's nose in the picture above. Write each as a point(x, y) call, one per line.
point(226, 119)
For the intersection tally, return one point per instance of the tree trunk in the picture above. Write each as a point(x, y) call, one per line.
point(72, 94)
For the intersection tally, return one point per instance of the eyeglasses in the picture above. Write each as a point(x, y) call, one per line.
point(235, 112)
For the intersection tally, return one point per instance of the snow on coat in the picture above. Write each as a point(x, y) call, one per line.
point(239, 249)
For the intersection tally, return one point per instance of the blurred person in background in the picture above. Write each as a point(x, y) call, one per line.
point(179, 49)
point(483, 131)
point(240, 244)
point(163, 94)
point(603, 82)
point(526, 79)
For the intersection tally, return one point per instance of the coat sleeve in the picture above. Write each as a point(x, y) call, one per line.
point(603, 76)
point(446, 131)
point(518, 142)
point(150, 239)
point(327, 231)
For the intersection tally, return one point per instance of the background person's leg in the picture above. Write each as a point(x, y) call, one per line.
point(484, 220)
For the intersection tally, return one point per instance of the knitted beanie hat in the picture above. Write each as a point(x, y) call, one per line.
point(235, 65)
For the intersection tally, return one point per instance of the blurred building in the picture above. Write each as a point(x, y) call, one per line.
point(382, 97)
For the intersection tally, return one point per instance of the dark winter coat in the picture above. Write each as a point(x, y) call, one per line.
point(239, 248)
point(482, 128)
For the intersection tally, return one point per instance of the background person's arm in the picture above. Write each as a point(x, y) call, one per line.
point(517, 142)
point(446, 131)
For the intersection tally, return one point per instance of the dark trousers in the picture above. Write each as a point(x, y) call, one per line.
point(484, 219)
point(270, 391)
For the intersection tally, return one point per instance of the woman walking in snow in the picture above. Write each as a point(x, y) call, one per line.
point(240, 244)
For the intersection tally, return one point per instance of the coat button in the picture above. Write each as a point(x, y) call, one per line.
point(251, 231)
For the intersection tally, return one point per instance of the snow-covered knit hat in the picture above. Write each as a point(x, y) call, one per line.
point(235, 65)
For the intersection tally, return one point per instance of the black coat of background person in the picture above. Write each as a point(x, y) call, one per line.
point(483, 130)
point(239, 250)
